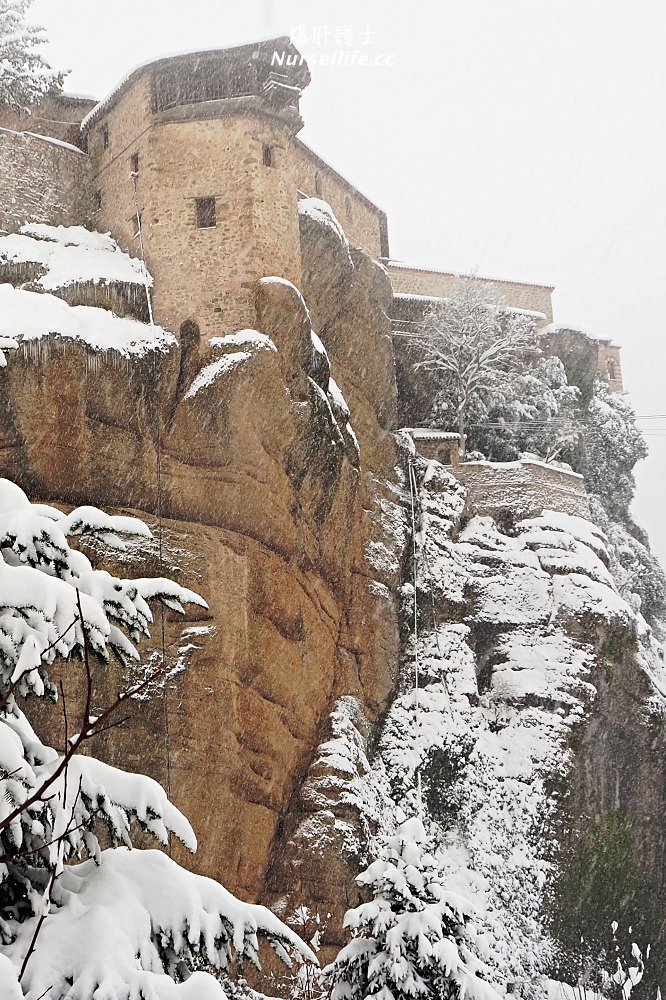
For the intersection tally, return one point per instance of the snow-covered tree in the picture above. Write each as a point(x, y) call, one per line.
point(612, 446)
point(408, 939)
point(475, 344)
point(76, 921)
point(535, 412)
point(25, 76)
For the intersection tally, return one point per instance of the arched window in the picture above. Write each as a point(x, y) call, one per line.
point(189, 334)
point(612, 370)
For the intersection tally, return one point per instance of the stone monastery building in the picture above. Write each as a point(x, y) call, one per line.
point(203, 149)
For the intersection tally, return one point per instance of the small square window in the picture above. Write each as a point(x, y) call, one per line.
point(205, 213)
point(268, 154)
point(105, 136)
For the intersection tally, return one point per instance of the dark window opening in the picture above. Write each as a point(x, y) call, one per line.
point(205, 213)
point(97, 200)
point(190, 339)
point(105, 136)
point(612, 370)
point(190, 334)
point(268, 154)
point(134, 163)
point(318, 189)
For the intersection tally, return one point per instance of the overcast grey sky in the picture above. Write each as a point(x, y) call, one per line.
point(515, 138)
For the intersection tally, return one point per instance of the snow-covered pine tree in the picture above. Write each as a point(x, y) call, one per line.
point(120, 924)
point(535, 412)
point(408, 939)
point(25, 76)
point(613, 444)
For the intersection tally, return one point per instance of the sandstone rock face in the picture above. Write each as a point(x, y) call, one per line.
point(319, 851)
point(240, 454)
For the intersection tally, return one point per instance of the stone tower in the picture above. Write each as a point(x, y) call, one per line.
point(200, 145)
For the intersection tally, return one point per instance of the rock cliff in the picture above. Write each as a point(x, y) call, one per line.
point(286, 723)
point(264, 493)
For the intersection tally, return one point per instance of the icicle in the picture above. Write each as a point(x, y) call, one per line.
point(92, 362)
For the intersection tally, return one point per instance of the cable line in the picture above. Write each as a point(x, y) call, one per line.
point(158, 470)
point(412, 493)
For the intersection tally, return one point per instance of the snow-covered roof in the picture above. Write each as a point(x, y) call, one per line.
point(519, 464)
point(281, 43)
point(414, 297)
point(431, 434)
point(571, 328)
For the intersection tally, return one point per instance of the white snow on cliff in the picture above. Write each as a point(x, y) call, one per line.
point(29, 316)
point(70, 255)
point(506, 674)
point(321, 212)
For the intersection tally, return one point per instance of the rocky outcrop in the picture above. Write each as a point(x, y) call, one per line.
point(268, 467)
point(269, 497)
point(612, 862)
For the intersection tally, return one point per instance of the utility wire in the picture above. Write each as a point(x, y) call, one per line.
point(412, 493)
point(158, 511)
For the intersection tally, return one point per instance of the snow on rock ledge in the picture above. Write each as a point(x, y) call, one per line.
point(31, 316)
point(82, 267)
point(70, 254)
point(322, 213)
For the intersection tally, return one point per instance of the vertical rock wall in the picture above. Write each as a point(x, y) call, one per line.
point(274, 483)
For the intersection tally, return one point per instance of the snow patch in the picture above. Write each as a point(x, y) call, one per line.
point(30, 316)
point(71, 255)
point(321, 212)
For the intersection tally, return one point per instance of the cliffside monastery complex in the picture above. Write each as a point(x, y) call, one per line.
point(267, 464)
point(203, 149)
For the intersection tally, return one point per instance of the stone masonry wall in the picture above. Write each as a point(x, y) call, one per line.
point(609, 364)
point(416, 281)
point(362, 221)
point(57, 116)
point(42, 181)
point(206, 275)
point(128, 127)
point(522, 488)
